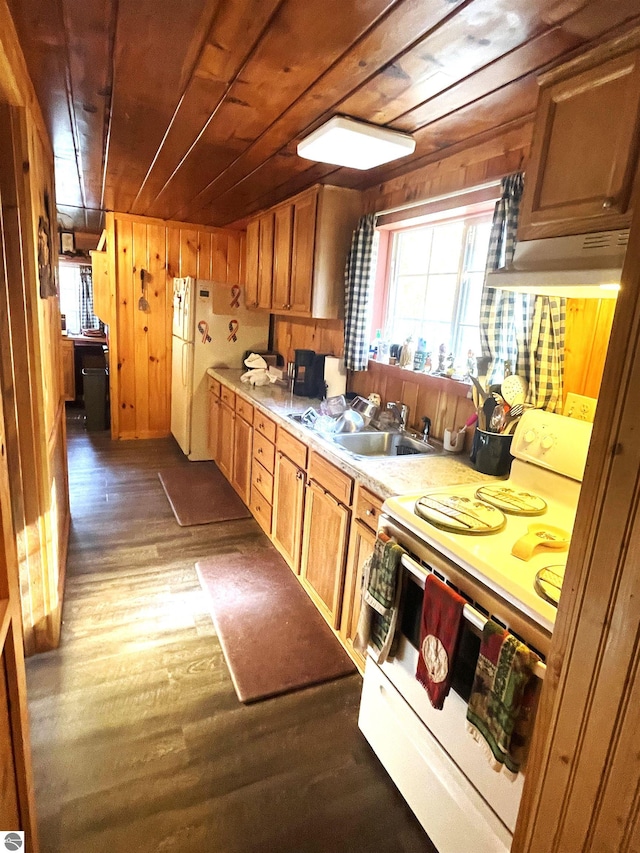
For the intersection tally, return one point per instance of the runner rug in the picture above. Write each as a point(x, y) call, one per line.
point(200, 494)
point(273, 638)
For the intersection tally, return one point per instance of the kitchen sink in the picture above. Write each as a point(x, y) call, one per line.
point(382, 444)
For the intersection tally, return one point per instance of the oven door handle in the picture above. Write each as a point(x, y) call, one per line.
point(473, 616)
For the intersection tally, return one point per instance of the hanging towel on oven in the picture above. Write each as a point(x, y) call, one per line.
point(380, 599)
point(502, 698)
point(439, 635)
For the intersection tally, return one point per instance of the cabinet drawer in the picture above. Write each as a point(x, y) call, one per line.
point(214, 386)
point(292, 448)
point(262, 480)
point(261, 510)
point(228, 396)
point(368, 508)
point(265, 425)
point(335, 481)
point(263, 450)
point(244, 409)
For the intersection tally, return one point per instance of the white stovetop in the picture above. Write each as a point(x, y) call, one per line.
point(488, 557)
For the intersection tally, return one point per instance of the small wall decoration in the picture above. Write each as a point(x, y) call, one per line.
point(67, 243)
point(46, 272)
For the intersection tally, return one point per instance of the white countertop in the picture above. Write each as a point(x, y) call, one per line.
point(395, 475)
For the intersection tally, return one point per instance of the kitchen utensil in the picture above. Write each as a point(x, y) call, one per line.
point(364, 407)
point(350, 421)
point(540, 536)
point(482, 394)
point(334, 406)
point(548, 583)
point(143, 305)
point(514, 389)
point(498, 416)
point(487, 407)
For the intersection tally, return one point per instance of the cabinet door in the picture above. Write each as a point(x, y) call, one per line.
point(214, 424)
point(100, 283)
point(265, 261)
point(241, 481)
point(288, 503)
point(585, 152)
point(68, 370)
point(226, 440)
point(360, 549)
point(326, 527)
point(253, 248)
point(302, 253)
point(283, 233)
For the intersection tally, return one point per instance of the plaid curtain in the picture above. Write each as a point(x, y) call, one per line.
point(359, 282)
point(505, 317)
point(547, 353)
point(87, 318)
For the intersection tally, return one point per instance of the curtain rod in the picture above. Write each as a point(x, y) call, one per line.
point(414, 204)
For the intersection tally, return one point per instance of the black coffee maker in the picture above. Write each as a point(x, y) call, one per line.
point(308, 374)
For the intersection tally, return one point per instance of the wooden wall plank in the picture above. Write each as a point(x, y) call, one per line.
point(189, 252)
point(159, 334)
point(125, 329)
point(142, 321)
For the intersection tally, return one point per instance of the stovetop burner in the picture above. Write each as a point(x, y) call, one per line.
point(511, 500)
point(548, 583)
point(460, 514)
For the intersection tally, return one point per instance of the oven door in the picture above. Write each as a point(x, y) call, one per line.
point(457, 788)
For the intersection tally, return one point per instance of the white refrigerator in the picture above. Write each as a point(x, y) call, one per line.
point(211, 328)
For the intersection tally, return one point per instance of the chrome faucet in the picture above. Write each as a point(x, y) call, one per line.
point(400, 412)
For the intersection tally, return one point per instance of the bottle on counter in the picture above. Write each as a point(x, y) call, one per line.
point(420, 358)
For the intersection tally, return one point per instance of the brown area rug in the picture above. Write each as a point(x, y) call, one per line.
point(273, 638)
point(200, 494)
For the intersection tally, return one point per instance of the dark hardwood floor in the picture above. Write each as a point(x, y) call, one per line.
point(139, 742)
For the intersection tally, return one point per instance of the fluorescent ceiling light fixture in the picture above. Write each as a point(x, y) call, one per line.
point(355, 144)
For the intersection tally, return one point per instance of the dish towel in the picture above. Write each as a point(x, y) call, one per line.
point(502, 698)
point(380, 599)
point(439, 634)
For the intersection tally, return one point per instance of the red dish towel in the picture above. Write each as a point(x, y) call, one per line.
point(439, 633)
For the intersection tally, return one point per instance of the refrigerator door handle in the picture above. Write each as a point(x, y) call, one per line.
point(184, 369)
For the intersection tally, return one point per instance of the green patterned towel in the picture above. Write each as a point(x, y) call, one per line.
point(380, 598)
point(502, 698)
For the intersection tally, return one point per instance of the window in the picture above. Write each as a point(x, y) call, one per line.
point(435, 284)
point(78, 310)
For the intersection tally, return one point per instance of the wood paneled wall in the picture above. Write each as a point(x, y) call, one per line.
point(588, 329)
point(140, 343)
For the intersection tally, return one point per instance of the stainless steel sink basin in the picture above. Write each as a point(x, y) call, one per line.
point(382, 444)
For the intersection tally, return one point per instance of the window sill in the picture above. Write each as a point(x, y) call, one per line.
point(454, 387)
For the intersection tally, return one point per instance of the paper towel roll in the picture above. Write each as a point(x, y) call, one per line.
point(335, 376)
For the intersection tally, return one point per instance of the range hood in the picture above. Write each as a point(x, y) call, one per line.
point(580, 266)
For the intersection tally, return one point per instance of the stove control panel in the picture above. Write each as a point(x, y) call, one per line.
point(552, 441)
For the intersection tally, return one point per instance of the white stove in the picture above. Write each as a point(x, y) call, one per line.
point(550, 453)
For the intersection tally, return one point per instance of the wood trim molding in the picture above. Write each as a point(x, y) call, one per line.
point(582, 781)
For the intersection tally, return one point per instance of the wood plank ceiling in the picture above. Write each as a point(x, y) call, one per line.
point(192, 109)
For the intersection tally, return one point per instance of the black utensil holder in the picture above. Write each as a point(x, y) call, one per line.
point(491, 452)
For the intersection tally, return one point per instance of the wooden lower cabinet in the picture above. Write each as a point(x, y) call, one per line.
point(324, 547)
point(214, 422)
point(360, 549)
point(226, 442)
point(243, 444)
point(68, 370)
point(288, 505)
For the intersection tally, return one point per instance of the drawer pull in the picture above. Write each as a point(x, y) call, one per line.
point(258, 479)
point(370, 512)
point(607, 203)
point(259, 451)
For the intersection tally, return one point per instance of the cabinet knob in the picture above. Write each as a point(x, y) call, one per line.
point(607, 203)
point(258, 479)
point(259, 451)
point(299, 475)
point(370, 512)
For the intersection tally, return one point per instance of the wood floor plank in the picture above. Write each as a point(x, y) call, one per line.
point(139, 742)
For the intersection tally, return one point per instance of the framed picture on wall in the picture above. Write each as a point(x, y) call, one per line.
point(46, 272)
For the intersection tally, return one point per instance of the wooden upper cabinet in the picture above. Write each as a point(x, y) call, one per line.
point(265, 261)
point(302, 249)
point(585, 148)
point(251, 267)
point(303, 257)
point(101, 290)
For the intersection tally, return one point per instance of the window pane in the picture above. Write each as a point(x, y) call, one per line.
point(445, 253)
point(436, 284)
